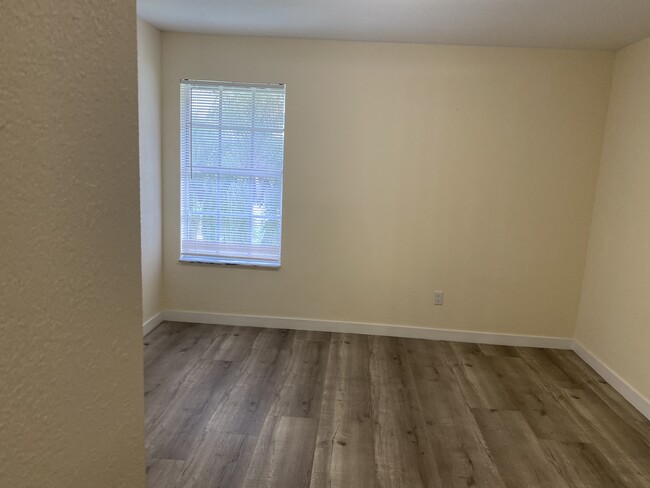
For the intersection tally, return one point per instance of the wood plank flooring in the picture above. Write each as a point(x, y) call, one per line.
point(237, 407)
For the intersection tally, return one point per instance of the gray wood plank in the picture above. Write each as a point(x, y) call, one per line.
point(505, 432)
point(539, 405)
point(301, 383)
point(255, 387)
point(218, 460)
point(582, 465)
point(552, 368)
point(403, 455)
point(499, 351)
point(479, 383)
point(461, 455)
point(343, 455)
point(179, 427)
point(163, 473)
point(283, 454)
point(234, 345)
point(174, 350)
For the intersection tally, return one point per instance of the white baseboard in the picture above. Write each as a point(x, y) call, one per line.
point(369, 329)
point(152, 323)
point(641, 403)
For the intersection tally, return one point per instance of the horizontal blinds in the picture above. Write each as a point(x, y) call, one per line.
point(232, 151)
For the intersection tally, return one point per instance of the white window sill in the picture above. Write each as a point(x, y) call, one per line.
point(246, 263)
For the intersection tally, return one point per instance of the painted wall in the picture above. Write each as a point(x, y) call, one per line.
point(409, 169)
point(71, 406)
point(149, 112)
point(614, 319)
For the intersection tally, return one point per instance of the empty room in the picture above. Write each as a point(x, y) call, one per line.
point(326, 244)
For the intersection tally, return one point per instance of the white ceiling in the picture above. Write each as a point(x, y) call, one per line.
point(580, 24)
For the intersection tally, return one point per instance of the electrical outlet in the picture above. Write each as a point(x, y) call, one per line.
point(438, 297)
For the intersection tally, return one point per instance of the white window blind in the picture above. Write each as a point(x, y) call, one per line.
point(232, 152)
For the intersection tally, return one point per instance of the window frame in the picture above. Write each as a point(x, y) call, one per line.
point(214, 258)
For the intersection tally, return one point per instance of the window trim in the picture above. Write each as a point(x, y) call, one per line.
point(211, 259)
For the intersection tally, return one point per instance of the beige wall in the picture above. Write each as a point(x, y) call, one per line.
point(71, 406)
point(149, 99)
point(409, 168)
point(614, 319)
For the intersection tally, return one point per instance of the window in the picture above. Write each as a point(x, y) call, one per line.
point(232, 152)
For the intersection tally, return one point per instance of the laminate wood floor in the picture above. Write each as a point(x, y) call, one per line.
point(239, 407)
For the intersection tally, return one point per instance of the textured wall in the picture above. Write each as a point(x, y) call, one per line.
point(614, 319)
point(409, 168)
point(71, 406)
point(149, 86)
